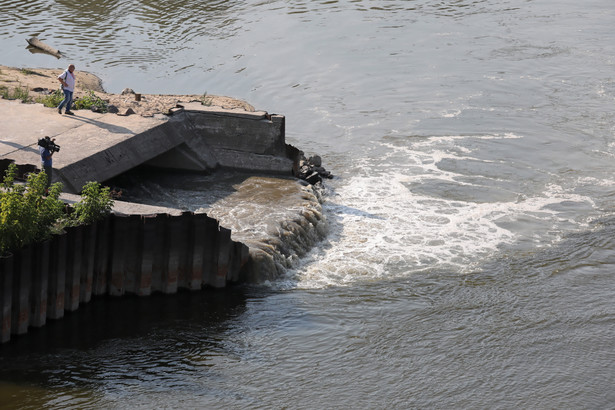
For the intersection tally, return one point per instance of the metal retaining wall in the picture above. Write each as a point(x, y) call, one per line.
point(136, 254)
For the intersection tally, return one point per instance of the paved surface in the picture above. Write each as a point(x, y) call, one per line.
point(79, 136)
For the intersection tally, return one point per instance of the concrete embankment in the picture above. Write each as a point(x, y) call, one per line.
point(136, 250)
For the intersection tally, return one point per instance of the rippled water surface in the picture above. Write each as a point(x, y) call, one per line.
point(470, 249)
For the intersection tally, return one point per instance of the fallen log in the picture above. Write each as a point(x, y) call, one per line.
point(39, 45)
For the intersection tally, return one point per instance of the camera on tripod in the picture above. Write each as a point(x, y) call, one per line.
point(49, 144)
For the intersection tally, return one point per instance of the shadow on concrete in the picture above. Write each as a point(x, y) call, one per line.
point(116, 129)
point(18, 147)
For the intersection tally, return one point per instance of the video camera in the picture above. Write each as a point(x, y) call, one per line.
point(49, 144)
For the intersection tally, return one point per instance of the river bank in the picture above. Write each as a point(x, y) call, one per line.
point(41, 81)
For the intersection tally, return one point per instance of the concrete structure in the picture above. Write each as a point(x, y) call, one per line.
point(97, 147)
point(213, 138)
point(139, 249)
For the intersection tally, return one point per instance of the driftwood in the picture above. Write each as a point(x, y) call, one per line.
point(39, 45)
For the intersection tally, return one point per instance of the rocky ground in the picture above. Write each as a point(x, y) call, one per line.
point(42, 81)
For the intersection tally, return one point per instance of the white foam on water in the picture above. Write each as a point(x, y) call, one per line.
point(451, 114)
point(380, 227)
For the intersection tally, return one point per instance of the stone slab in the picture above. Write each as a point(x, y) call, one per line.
point(78, 135)
point(127, 208)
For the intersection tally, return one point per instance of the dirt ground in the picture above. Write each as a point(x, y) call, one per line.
point(41, 81)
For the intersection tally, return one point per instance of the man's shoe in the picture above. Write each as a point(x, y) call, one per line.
point(59, 111)
point(69, 113)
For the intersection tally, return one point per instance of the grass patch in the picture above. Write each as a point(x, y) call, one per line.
point(206, 100)
point(26, 71)
point(86, 102)
point(89, 101)
point(52, 100)
point(17, 93)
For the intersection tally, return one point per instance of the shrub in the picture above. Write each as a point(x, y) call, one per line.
point(26, 216)
point(95, 204)
point(90, 100)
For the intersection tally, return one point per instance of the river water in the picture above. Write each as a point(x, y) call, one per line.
point(470, 254)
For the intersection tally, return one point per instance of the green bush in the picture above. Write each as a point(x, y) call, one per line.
point(52, 100)
point(95, 204)
point(90, 100)
point(26, 215)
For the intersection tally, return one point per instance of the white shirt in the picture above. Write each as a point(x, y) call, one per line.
point(69, 78)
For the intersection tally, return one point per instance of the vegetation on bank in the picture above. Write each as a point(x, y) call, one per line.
point(90, 101)
point(52, 100)
point(95, 204)
point(206, 100)
point(17, 93)
point(87, 102)
point(30, 213)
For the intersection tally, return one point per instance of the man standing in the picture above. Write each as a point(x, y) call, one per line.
point(47, 161)
point(67, 79)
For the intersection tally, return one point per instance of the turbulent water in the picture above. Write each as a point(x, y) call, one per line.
point(469, 256)
point(279, 217)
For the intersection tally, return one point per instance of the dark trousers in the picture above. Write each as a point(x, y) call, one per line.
point(49, 171)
